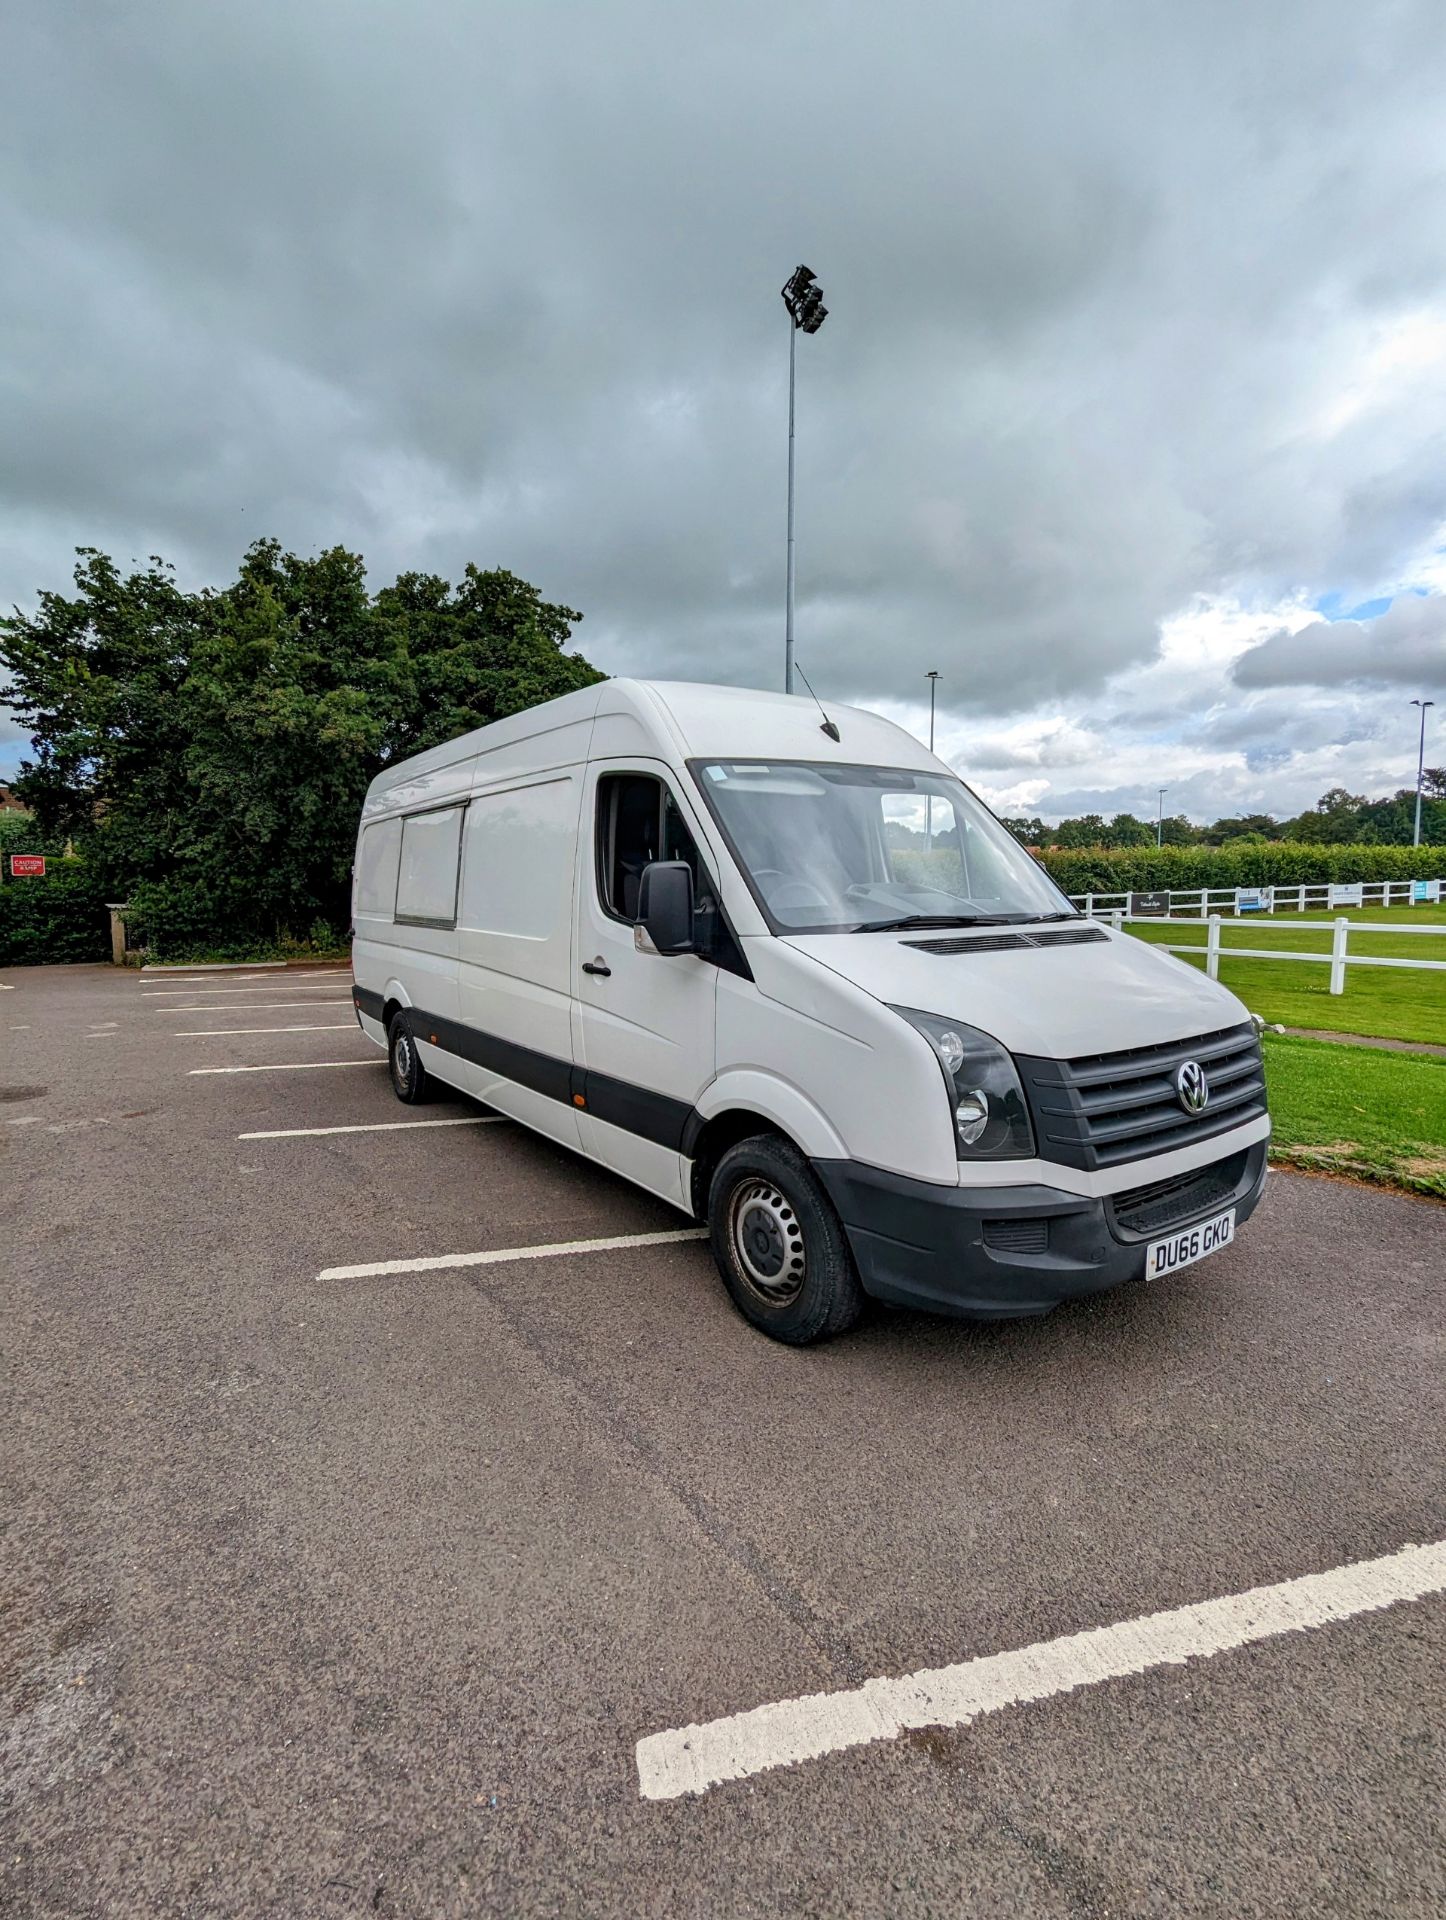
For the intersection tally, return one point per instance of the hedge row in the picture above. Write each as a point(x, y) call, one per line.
point(1281, 863)
point(60, 917)
point(174, 921)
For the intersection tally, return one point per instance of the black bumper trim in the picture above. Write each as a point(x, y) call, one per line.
point(366, 1001)
point(652, 1116)
point(918, 1244)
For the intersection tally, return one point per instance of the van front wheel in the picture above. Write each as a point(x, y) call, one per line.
point(410, 1079)
point(779, 1245)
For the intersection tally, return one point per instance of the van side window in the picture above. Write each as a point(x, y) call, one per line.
point(638, 822)
point(375, 888)
point(431, 850)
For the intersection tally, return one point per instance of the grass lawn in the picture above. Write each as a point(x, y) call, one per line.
point(1358, 1110)
point(1380, 1001)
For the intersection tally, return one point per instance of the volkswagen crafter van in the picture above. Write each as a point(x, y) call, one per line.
point(797, 980)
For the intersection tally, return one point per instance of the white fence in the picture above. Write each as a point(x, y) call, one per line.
point(1338, 959)
point(1199, 902)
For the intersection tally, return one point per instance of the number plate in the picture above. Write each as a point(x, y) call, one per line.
point(1190, 1244)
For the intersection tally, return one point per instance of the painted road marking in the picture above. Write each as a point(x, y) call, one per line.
point(227, 994)
point(211, 1033)
point(183, 970)
point(496, 1256)
point(287, 1066)
point(202, 980)
point(692, 1759)
point(372, 1126)
point(264, 1007)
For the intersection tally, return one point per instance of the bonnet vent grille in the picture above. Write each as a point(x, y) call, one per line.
point(1009, 942)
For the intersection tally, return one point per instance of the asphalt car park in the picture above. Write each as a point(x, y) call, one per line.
point(380, 1478)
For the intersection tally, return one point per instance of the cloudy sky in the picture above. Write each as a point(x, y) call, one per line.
point(1129, 415)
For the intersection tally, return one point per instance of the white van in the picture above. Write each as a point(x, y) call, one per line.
point(794, 978)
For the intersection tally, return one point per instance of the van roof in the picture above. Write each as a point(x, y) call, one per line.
point(697, 720)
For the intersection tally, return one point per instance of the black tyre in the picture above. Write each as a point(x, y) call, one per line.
point(779, 1245)
point(410, 1080)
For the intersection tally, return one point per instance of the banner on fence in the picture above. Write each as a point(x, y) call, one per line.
point(1255, 899)
point(1352, 894)
point(1424, 892)
point(1150, 903)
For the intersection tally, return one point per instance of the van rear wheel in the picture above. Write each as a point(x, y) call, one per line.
point(410, 1080)
point(779, 1245)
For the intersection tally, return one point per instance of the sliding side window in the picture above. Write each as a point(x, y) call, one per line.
point(431, 852)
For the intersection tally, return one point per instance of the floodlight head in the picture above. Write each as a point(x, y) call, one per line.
point(804, 300)
point(796, 285)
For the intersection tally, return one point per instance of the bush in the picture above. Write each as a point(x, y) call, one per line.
point(1281, 863)
point(62, 917)
point(19, 833)
point(181, 920)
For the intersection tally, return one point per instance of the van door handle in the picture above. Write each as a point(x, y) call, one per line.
point(598, 966)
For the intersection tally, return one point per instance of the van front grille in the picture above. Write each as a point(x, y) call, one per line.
point(1017, 1236)
point(1140, 1212)
point(1105, 1108)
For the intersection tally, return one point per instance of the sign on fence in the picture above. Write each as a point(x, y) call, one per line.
point(1352, 894)
point(1144, 903)
point(1424, 892)
point(1255, 899)
point(27, 863)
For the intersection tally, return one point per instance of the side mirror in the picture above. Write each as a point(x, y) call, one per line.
point(665, 906)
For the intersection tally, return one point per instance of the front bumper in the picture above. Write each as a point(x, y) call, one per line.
point(1001, 1252)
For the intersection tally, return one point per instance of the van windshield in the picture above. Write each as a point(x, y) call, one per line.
point(846, 849)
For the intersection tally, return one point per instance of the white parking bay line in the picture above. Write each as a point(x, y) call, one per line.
point(229, 993)
point(211, 1033)
point(265, 1006)
point(373, 1126)
point(497, 1256)
point(692, 1759)
point(288, 1066)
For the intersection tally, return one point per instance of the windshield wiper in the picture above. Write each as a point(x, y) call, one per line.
point(929, 920)
point(959, 920)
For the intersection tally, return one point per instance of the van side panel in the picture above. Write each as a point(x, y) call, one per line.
point(404, 906)
point(515, 947)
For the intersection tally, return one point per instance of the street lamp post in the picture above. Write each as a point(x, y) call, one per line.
point(1160, 821)
point(1420, 767)
point(933, 679)
point(803, 297)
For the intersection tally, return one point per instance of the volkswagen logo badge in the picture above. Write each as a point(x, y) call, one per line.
point(1191, 1087)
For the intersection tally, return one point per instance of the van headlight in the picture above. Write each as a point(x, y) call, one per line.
point(991, 1121)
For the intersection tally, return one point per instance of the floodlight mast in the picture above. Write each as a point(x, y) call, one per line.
point(1420, 767)
point(803, 297)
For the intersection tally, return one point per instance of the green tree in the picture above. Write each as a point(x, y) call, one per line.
point(1087, 830)
point(1334, 820)
point(1126, 831)
point(1248, 826)
point(1030, 832)
point(209, 751)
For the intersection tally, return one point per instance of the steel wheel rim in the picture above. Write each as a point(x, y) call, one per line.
point(402, 1059)
point(766, 1236)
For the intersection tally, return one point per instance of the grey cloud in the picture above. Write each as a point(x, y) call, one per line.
point(501, 284)
point(1404, 646)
